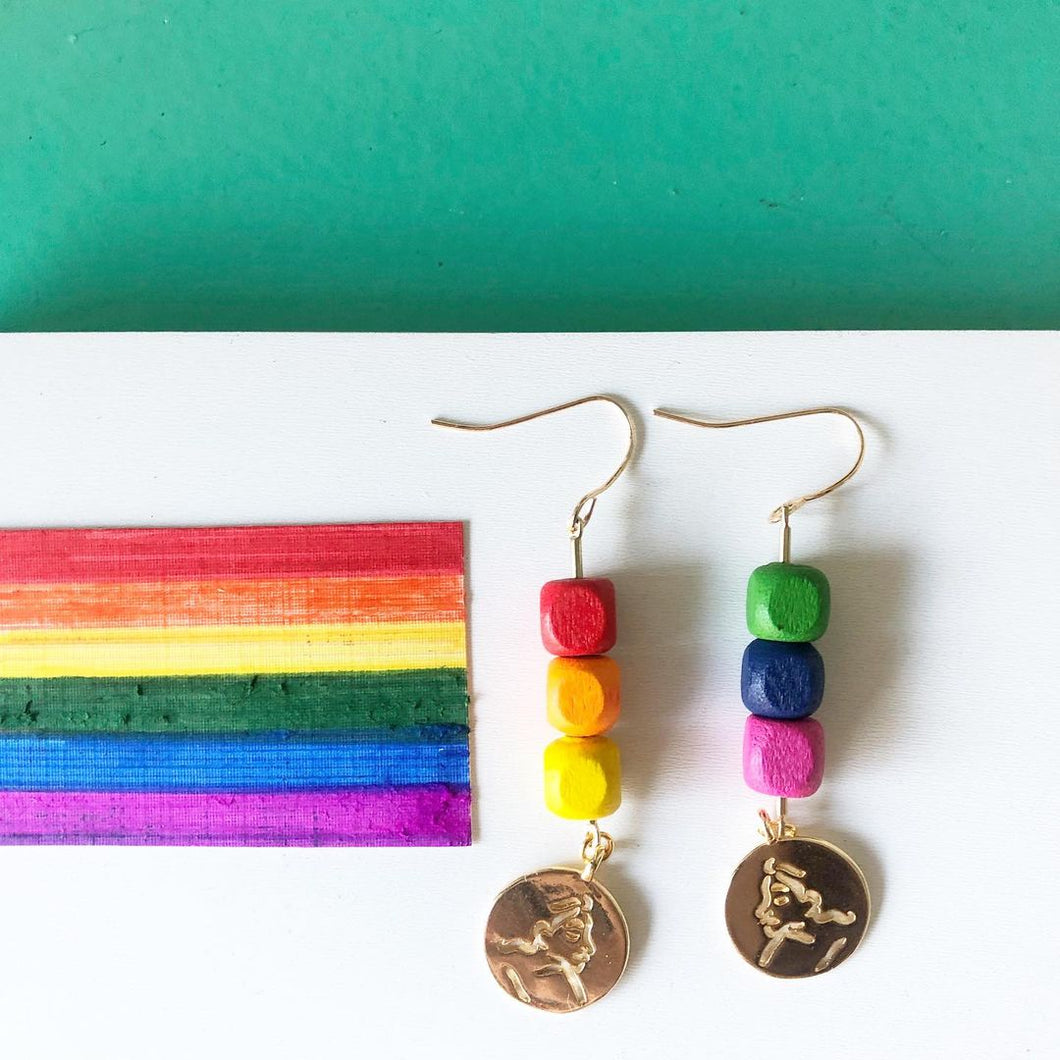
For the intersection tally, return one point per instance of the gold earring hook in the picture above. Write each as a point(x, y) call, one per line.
point(583, 510)
point(782, 511)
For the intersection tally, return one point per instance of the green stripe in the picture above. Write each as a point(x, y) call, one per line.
point(234, 703)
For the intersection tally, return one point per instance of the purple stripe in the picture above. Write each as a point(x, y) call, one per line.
point(419, 815)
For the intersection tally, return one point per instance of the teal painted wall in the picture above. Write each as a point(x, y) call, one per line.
point(511, 164)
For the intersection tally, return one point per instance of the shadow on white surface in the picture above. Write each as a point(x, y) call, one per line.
point(864, 654)
point(635, 907)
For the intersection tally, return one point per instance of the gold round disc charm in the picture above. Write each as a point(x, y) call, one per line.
point(555, 941)
point(797, 907)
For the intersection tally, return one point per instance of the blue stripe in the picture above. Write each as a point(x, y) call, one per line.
point(429, 754)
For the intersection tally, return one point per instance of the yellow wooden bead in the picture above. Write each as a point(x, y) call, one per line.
point(583, 694)
point(583, 777)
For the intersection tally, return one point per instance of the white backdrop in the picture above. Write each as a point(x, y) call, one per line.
point(941, 710)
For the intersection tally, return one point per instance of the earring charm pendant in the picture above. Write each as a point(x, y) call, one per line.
point(796, 906)
point(556, 939)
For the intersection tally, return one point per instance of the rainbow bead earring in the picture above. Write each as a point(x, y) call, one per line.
point(796, 906)
point(556, 939)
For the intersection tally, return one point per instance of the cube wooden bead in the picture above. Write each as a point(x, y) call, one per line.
point(583, 694)
point(784, 681)
point(578, 616)
point(788, 602)
point(784, 758)
point(583, 777)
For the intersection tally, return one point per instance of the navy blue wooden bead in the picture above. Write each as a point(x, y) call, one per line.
point(782, 680)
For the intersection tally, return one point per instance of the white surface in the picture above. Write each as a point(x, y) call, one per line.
point(941, 709)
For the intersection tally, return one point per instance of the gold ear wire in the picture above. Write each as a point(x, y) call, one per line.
point(583, 510)
point(782, 512)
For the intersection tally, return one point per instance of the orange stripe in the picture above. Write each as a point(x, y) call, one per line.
point(281, 601)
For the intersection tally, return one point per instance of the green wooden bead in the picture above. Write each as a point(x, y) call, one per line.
point(787, 601)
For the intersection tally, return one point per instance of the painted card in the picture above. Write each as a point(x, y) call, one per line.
point(234, 686)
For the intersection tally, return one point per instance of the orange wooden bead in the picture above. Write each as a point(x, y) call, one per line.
point(584, 694)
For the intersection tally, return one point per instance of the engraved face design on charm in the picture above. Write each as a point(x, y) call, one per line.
point(564, 943)
point(797, 907)
point(556, 941)
point(787, 906)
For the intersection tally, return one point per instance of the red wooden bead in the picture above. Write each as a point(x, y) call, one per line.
point(578, 616)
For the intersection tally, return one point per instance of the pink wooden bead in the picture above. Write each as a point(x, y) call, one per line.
point(783, 758)
point(578, 616)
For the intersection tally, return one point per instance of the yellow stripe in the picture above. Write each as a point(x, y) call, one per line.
point(153, 651)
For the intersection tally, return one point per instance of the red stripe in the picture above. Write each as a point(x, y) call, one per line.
point(127, 555)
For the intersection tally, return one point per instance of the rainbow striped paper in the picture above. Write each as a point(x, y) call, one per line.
point(234, 686)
